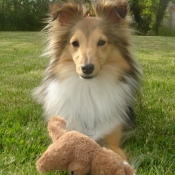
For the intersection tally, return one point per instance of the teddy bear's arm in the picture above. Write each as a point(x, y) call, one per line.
point(54, 158)
point(46, 163)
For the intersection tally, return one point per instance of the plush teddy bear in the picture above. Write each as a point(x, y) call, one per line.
point(78, 154)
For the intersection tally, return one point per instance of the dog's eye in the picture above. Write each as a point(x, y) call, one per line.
point(75, 44)
point(101, 43)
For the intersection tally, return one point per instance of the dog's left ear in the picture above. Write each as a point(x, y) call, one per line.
point(67, 12)
point(112, 10)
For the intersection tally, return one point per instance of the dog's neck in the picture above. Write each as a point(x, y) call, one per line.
point(100, 100)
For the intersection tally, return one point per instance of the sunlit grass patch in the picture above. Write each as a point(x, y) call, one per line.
point(23, 133)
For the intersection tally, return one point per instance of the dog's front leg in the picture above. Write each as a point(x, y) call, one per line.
point(112, 141)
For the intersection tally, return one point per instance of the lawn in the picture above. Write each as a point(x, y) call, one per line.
point(23, 135)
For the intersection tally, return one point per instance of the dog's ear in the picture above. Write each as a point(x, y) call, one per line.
point(67, 13)
point(112, 10)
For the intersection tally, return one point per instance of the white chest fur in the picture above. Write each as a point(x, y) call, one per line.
point(98, 104)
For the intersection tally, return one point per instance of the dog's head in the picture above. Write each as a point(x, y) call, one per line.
point(89, 44)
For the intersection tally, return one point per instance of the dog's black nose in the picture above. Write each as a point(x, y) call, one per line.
point(87, 68)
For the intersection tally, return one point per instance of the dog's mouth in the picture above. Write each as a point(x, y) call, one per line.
point(86, 77)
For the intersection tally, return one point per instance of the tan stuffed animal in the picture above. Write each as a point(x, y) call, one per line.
point(78, 154)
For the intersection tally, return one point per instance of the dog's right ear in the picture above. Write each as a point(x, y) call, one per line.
point(67, 12)
point(111, 10)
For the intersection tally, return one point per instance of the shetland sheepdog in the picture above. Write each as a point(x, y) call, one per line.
point(92, 76)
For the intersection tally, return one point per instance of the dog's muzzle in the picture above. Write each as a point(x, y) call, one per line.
point(87, 70)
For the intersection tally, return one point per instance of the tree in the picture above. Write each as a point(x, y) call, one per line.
point(22, 14)
point(29, 14)
point(162, 5)
point(144, 14)
point(148, 14)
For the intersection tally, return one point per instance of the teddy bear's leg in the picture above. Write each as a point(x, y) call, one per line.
point(77, 168)
point(128, 169)
point(112, 141)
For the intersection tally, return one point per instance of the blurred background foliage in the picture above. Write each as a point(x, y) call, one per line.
point(29, 15)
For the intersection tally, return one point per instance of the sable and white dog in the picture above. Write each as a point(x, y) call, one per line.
point(92, 76)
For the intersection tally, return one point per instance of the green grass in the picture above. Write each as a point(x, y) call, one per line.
point(23, 134)
point(154, 140)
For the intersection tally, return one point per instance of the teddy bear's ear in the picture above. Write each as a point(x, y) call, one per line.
point(111, 10)
point(67, 12)
point(56, 128)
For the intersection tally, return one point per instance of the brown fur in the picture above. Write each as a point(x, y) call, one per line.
point(75, 40)
point(107, 26)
